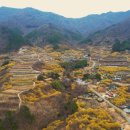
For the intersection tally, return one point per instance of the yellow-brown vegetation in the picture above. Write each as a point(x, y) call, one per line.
point(123, 96)
point(7, 85)
point(86, 119)
point(54, 125)
point(40, 91)
point(53, 68)
point(114, 69)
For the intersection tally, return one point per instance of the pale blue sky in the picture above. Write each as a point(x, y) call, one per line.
point(71, 8)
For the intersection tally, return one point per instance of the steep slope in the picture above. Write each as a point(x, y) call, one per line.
point(10, 39)
point(28, 19)
point(93, 23)
point(119, 32)
point(52, 34)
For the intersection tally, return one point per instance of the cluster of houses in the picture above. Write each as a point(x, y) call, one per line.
point(81, 82)
point(110, 94)
point(23, 49)
point(71, 57)
point(121, 75)
point(110, 91)
point(118, 76)
point(68, 58)
point(127, 109)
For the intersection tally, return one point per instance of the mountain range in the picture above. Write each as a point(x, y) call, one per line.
point(37, 27)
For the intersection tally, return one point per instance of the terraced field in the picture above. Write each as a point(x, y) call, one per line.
point(23, 77)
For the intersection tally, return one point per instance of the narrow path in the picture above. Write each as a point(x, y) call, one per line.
point(22, 80)
point(20, 100)
point(94, 64)
point(25, 73)
point(121, 84)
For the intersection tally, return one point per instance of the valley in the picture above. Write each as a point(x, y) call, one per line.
point(55, 85)
point(59, 73)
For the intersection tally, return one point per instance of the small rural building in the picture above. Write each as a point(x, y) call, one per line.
point(80, 82)
point(127, 110)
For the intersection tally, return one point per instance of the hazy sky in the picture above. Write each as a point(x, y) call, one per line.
point(71, 8)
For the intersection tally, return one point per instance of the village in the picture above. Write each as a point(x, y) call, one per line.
point(105, 77)
point(111, 74)
point(114, 86)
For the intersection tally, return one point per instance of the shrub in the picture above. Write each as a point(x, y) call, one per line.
point(9, 122)
point(96, 76)
point(72, 65)
point(57, 84)
point(41, 77)
point(71, 106)
point(25, 115)
point(86, 76)
point(53, 75)
point(1, 126)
